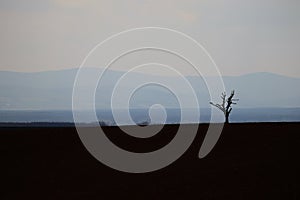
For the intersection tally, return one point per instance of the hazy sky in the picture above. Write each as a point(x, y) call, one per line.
point(242, 36)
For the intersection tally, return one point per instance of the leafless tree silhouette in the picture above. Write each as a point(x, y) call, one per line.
point(225, 107)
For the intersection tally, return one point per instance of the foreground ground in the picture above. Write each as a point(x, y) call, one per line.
point(250, 161)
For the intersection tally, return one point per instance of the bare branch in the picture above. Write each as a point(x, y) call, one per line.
point(225, 106)
point(218, 106)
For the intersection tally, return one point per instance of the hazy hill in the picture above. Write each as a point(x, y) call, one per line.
point(53, 90)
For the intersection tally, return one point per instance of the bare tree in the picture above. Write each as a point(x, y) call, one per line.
point(225, 107)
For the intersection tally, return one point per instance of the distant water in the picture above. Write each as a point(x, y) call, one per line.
point(142, 116)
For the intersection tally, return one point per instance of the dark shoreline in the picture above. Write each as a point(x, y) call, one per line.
point(71, 124)
point(250, 161)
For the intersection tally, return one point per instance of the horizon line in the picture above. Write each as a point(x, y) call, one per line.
point(150, 74)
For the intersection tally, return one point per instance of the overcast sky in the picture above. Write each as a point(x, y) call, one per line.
point(242, 36)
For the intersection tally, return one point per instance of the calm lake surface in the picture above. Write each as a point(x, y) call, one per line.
point(142, 115)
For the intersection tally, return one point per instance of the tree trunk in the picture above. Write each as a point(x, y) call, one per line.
point(227, 118)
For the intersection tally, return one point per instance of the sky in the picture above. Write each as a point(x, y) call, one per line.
point(241, 36)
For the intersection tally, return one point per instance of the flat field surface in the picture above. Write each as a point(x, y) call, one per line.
point(250, 161)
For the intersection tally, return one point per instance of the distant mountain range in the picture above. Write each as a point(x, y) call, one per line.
point(52, 90)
